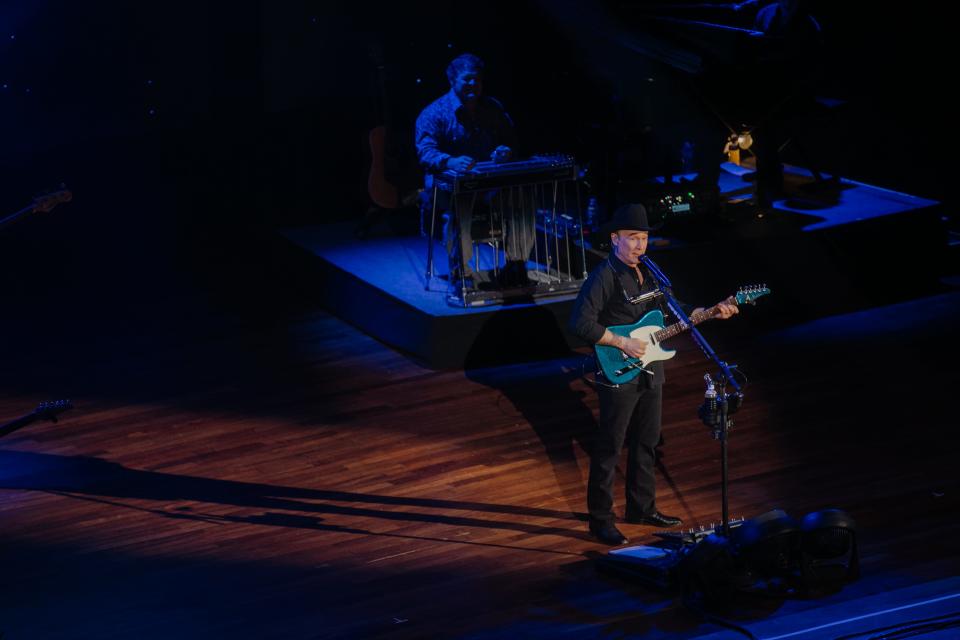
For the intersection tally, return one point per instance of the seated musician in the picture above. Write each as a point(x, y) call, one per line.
point(454, 132)
point(629, 412)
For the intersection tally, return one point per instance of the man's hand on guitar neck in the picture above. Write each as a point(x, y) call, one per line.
point(725, 310)
point(633, 347)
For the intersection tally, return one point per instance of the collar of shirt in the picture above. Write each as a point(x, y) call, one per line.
point(622, 267)
point(454, 104)
point(454, 99)
point(482, 112)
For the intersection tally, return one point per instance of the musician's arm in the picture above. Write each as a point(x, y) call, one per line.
point(725, 309)
point(633, 347)
point(610, 339)
point(431, 158)
point(586, 311)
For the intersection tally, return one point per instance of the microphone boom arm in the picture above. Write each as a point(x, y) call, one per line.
point(666, 288)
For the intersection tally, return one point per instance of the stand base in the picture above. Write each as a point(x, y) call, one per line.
point(656, 565)
point(541, 286)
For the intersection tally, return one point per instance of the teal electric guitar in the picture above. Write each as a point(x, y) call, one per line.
point(618, 367)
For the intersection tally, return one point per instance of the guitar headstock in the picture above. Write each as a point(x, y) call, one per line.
point(48, 201)
point(50, 410)
point(748, 295)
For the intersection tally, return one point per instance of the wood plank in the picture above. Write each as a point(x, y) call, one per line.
point(336, 489)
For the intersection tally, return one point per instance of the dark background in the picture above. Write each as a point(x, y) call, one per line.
point(189, 132)
point(161, 301)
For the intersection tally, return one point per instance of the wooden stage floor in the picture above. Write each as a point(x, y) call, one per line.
point(293, 478)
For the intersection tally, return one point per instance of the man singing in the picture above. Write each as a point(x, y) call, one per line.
point(629, 412)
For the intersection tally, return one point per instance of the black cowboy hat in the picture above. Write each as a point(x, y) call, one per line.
point(629, 217)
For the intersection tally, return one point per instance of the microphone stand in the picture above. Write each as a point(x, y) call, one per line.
point(716, 417)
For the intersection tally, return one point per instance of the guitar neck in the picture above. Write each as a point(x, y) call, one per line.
point(679, 327)
point(17, 424)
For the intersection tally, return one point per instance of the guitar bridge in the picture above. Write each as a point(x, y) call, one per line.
point(633, 365)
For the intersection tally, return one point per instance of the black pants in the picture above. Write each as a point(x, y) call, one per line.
point(514, 226)
point(629, 414)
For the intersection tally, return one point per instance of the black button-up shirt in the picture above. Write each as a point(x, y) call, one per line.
point(602, 303)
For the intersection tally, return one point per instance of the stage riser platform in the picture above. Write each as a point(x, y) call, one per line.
point(853, 262)
point(816, 273)
point(462, 337)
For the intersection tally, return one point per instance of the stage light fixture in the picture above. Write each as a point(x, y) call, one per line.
point(707, 571)
point(828, 549)
point(768, 546)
